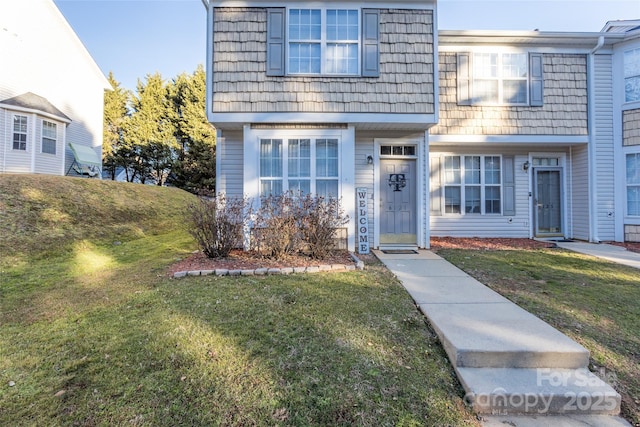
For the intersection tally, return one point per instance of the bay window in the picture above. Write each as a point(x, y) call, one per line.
point(49, 137)
point(20, 132)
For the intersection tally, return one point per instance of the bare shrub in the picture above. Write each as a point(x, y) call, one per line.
point(319, 223)
point(276, 230)
point(292, 223)
point(217, 224)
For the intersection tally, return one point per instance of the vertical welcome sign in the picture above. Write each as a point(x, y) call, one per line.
point(363, 221)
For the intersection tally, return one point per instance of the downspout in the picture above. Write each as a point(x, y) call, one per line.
point(593, 188)
point(209, 58)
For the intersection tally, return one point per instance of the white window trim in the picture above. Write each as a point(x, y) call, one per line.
point(42, 137)
point(462, 185)
point(13, 132)
point(323, 39)
point(501, 79)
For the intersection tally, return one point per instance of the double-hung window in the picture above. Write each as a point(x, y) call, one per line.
point(49, 137)
point(319, 42)
point(472, 185)
point(20, 132)
point(324, 41)
point(500, 78)
point(633, 184)
point(632, 75)
point(304, 165)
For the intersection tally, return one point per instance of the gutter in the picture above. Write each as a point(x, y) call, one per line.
point(593, 188)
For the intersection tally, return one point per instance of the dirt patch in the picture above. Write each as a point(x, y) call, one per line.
point(243, 260)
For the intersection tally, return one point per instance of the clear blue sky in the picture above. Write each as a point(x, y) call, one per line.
point(134, 38)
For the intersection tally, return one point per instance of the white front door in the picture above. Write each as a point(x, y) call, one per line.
point(398, 220)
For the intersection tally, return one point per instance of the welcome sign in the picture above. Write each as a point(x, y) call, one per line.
point(363, 221)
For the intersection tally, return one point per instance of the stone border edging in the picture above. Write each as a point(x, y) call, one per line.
point(359, 265)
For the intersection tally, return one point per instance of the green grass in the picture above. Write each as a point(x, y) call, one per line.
point(595, 302)
point(94, 332)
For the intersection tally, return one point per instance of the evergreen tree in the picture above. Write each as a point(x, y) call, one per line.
point(115, 114)
point(150, 141)
point(194, 169)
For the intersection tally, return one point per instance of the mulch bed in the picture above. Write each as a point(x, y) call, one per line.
point(504, 244)
point(243, 260)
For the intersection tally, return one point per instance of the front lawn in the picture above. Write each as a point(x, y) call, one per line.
point(94, 332)
point(595, 302)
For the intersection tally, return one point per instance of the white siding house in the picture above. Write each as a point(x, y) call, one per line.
point(51, 90)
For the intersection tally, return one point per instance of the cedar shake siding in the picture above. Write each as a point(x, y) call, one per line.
point(564, 109)
point(405, 83)
point(631, 127)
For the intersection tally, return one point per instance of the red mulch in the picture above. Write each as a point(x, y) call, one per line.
point(495, 244)
point(503, 244)
point(242, 260)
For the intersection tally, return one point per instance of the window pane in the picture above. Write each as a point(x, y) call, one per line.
point(299, 157)
point(492, 200)
point(492, 170)
point(485, 91)
point(385, 150)
point(452, 200)
point(270, 187)
point(485, 65)
point(632, 89)
point(410, 150)
point(327, 188)
point(514, 65)
point(304, 58)
point(633, 200)
point(632, 63)
point(342, 25)
point(270, 158)
point(472, 200)
point(452, 170)
point(302, 186)
point(633, 169)
point(327, 157)
point(472, 170)
point(515, 91)
point(341, 58)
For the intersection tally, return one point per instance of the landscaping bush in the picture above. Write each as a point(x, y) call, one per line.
point(277, 230)
point(218, 224)
point(292, 223)
point(319, 223)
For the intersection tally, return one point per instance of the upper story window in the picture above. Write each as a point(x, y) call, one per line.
point(337, 42)
point(324, 41)
point(20, 132)
point(633, 184)
point(49, 137)
point(632, 75)
point(500, 78)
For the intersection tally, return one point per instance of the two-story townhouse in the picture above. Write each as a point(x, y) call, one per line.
point(51, 90)
point(327, 98)
point(513, 135)
point(626, 128)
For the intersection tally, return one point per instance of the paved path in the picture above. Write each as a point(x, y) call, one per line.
point(612, 253)
point(499, 350)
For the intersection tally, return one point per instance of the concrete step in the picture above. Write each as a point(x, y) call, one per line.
point(541, 391)
point(499, 334)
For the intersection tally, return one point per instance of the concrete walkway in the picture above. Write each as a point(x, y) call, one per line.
point(612, 253)
point(509, 362)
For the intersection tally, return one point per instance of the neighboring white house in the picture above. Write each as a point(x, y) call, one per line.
point(51, 90)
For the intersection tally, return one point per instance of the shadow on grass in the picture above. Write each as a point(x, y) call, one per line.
point(327, 349)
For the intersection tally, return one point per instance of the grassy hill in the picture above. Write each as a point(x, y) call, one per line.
point(41, 212)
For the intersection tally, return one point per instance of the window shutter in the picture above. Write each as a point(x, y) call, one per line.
point(435, 187)
point(464, 78)
point(508, 186)
point(536, 81)
point(370, 42)
point(275, 41)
